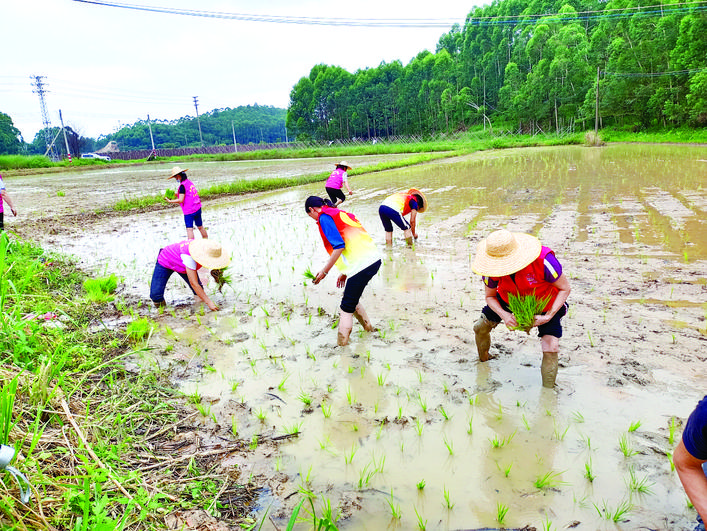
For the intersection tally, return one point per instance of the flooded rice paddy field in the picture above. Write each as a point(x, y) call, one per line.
point(404, 428)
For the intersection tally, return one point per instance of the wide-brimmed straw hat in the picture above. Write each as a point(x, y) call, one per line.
point(176, 171)
point(209, 254)
point(504, 252)
point(344, 164)
point(423, 206)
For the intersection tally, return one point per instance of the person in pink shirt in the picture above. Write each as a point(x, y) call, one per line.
point(188, 198)
point(336, 181)
point(185, 258)
point(5, 198)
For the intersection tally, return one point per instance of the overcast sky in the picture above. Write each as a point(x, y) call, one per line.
point(105, 66)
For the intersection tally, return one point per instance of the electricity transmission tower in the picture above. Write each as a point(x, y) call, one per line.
point(39, 89)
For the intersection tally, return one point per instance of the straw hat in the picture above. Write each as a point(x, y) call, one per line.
point(415, 191)
point(176, 171)
point(208, 254)
point(343, 163)
point(504, 252)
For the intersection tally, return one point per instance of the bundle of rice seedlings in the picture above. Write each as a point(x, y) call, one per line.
point(524, 308)
point(170, 194)
point(309, 275)
point(101, 289)
point(221, 278)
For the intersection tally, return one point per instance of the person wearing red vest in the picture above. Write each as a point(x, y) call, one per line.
point(188, 199)
point(396, 207)
point(517, 263)
point(355, 255)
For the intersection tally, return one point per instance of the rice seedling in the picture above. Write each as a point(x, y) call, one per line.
point(101, 289)
point(500, 443)
point(525, 422)
point(638, 485)
point(501, 512)
point(350, 397)
point(447, 501)
point(364, 476)
point(139, 330)
point(234, 426)
point(421, 484)
point(506, 470)
point(281, 385)
point(308, 275)
point(577, 417)
point(348, 457)
point(418, 427)
point(423, 402)
point(305, 398)
point(400, 412)
point(326, 410)
point(470, 428)
point(449, 444)
point(672, 427)
point(559, 434)
point(634, 426)
point(591, 341)
point(670, 460)
point(588, 471)
point(625, 446)
point(381, 378)
point(615, 515)
point(443, 412)
point(294, 429)
point(548, 480)
point(421, 524)
point(261, 415)
point(525, 308)
point(547, 524)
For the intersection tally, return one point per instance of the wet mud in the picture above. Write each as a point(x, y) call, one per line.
point(404, 427)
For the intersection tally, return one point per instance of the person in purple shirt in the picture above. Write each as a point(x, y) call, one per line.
point(188, 198)
point(5, 198)
point(690, 457)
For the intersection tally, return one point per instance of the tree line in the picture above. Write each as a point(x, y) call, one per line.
point(639, 64)
point(251, 125)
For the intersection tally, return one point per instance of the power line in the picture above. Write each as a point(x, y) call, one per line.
point(286, 19)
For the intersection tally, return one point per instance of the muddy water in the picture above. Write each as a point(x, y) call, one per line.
point(410, 403)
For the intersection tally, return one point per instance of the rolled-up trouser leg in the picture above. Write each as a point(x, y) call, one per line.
point(482, 330)
point(548, 369)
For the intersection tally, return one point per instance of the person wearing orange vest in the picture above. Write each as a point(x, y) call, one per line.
point(396, 207)
point(355, 255)
point(517, 263)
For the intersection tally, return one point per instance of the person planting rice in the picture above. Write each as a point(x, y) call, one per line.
point(690, 457)
point(355, 255)
point(5, 198)
point(336, 181)
point(185, 258)
point(396, 207)
point(514, 264)
point(188, 199)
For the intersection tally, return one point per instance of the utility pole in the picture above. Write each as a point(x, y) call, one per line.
point(596, 108)
point(152, 140)
point(66, 142)
point(196, 106)
point(235, 144)
point(39, 89)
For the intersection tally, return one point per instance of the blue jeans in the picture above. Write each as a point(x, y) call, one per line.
point(160, 276)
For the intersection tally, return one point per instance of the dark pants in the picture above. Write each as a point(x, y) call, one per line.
point(552, 328)
point(355, 286)
point(336, 193)
point(160, 276)
point(389, 216)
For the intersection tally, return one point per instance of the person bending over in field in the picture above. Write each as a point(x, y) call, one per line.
point(336, 181)
point(396, 207)
point(188, 199)
point(5, 198)
point(185, 258)
point(690, 457)
point(355, 255)
point(514, 264)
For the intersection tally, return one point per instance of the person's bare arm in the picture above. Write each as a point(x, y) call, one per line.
point(563, 285)
point(692, 477)
point(330, 263)
point(6, 197)
point(194, 282)
point(413, 222)
point(508, 318)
